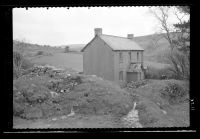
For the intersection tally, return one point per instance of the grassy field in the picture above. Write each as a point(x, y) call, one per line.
point(62, 60)
point(75, 61)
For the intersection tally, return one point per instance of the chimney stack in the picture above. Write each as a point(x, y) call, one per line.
point(130, 36)
point(97, 31)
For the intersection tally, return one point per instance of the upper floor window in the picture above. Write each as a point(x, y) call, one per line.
point(129, 55)
point(137, 56)
point(120, 57)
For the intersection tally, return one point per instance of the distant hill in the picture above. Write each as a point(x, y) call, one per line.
point(32, 49)
point(155, 47)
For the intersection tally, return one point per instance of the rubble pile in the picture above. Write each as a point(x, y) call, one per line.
point(64, 85)
point(137, 84)
point(37, 90)
point(43, 70)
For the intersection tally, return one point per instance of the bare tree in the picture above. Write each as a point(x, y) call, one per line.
point(18, 57)
point(162, 15)
point(22, 46)
point(176, 38)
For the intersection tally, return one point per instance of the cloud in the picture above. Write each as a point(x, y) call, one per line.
point(58, 26)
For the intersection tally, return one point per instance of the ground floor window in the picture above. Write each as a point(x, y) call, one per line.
point(121, 75)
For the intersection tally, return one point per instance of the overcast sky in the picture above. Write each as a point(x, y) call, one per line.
point(61, 26)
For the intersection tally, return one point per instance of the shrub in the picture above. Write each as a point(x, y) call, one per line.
point(20, 63)
point(180, 64)
point(27, 64)
point(174, 93)
point(66, 49)
point(39, 53)
point(154, 73)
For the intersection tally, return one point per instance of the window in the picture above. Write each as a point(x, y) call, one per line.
point(137, 56)
point(121, 75)
point(130, 55)
point(120, 57)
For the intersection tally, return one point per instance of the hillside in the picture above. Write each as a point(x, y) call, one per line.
point(31, 50)
point(47, 97)
point(155, 47)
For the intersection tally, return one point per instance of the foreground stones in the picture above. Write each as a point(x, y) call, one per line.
point(134, 85)
point(131, 120)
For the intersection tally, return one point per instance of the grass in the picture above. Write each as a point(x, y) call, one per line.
point(63, 60)
point(151, 104)
point(75, 61)
point(32, 98)
point(96, 97)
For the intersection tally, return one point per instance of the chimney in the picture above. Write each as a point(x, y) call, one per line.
point(130, 36)
point(97, 31)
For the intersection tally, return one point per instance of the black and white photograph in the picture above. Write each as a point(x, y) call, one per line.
point(101, 67)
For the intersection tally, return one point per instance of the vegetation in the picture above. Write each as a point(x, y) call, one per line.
point(174, 93)
point(162, 103)
point(39, 53)
point(36, 97)
point(66, 49)
point(19, 64)
point(179, 41)
point(163, 73)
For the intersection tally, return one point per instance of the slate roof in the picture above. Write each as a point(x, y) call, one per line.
point(119, 43)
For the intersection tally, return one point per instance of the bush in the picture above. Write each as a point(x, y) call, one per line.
point(66, 49)
point(20, 63)
point(174, 93)
point(164, 73)
point(42, 53)
point(180, 64)
point(27, 64)
point(39, 53)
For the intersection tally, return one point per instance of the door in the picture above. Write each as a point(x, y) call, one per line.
point(121, 75)
point(132, 76)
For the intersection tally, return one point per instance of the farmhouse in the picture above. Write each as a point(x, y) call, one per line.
point(113, 58)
